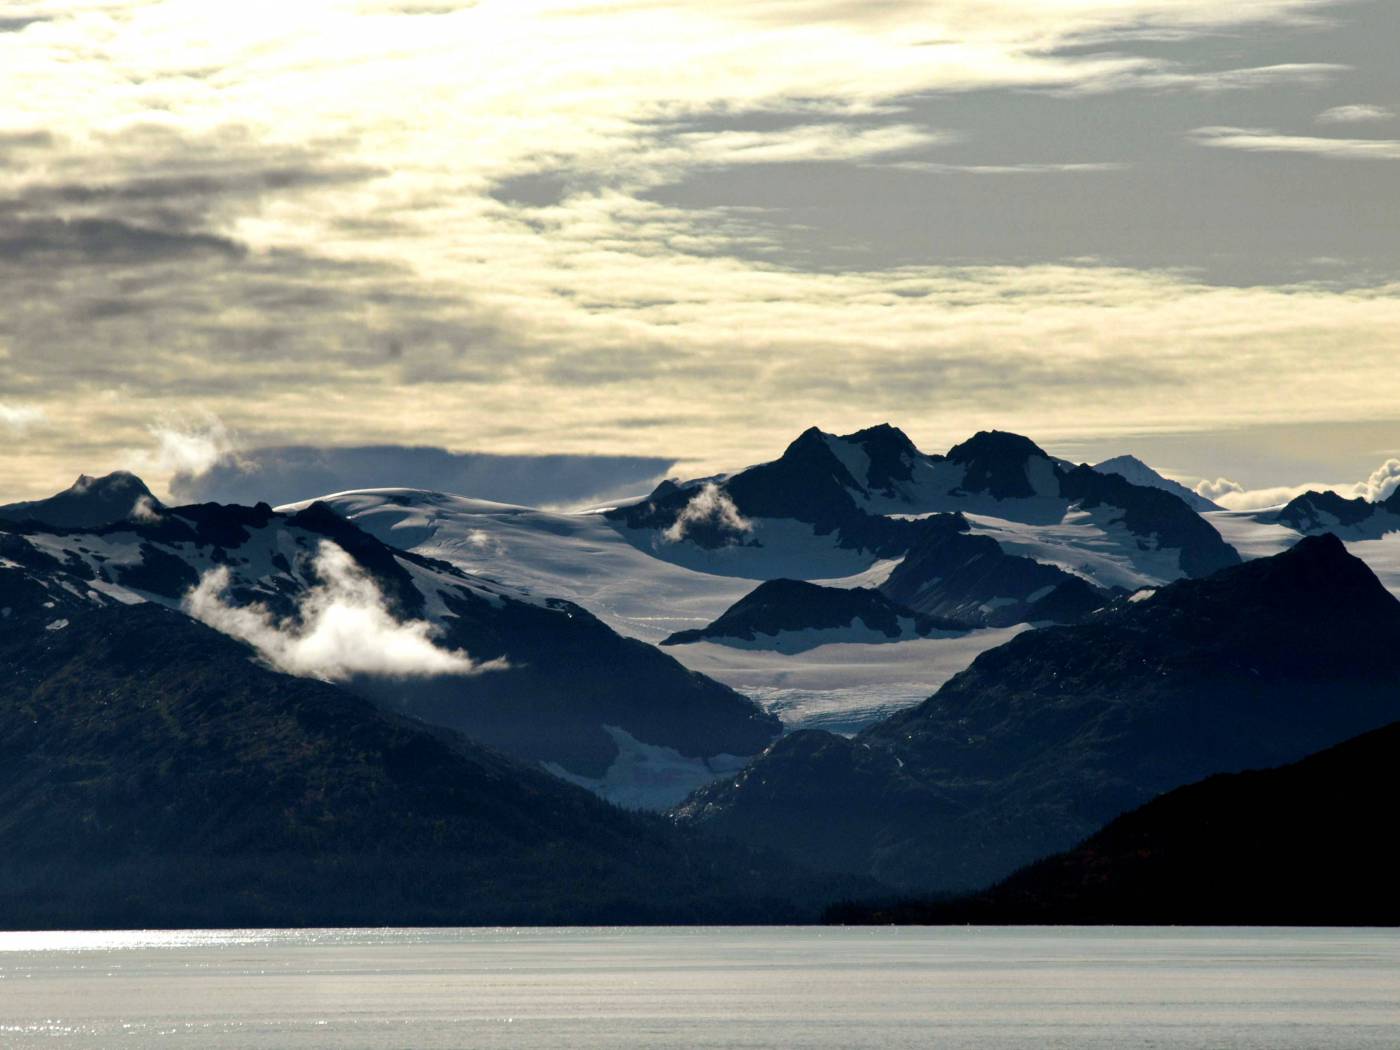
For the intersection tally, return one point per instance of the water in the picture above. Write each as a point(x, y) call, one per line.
point(947, 989)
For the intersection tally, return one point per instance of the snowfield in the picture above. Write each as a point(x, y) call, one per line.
point(588, 560)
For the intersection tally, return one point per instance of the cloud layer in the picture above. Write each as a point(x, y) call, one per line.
point(343, 627)
point(341, 223)
point(1381, 484)
point(288, 474)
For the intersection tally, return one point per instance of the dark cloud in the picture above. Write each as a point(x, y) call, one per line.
point(287, 474)
point(101, 242)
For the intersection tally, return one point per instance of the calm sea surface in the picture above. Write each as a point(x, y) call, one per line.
point(986, 989)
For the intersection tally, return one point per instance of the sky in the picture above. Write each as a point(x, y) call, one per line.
point(686, 231)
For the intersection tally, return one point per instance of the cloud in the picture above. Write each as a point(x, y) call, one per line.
point(343, 627)
point(288, 474)
point(320, 258)
point(1079, 167)
point(1262, 140)
point(1383, 481)
point(19, 419)
point(710, 506)
point(1220, 487)
point(1357, 114)
point(145, 509)
point(187, 450)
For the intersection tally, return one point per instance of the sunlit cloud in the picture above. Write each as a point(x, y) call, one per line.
point(1261, 140)
point(1355, 114)
point(292, 216)
point(1380, 485)
point(18, 419)
point(343, 627)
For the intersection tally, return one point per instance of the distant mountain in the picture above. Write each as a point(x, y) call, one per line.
point(810, 484)
point(552, 684)
point(828, 495)
point(793, 615)
point(1316, 512)
point(1047, 737)
point(951, 572)
point(1301, 845)
point(88, 502)
point(1139, 473)
point(154, 774)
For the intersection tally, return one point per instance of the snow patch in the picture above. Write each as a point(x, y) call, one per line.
point(649, 776)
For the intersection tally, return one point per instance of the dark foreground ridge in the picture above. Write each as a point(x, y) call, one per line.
point(1045, 739)
point(1306, 844)
point(152, 774)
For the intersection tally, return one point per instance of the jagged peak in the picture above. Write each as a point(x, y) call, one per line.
point(882, 434)
point(809, 438)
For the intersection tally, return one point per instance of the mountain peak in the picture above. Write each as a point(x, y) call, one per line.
point(116, 481)
point(1132, 469)
point(882, 435)
point(995, 445)
point(89, 501)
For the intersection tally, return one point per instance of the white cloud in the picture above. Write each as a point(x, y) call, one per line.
point(1220, 487)
point(145, 510)
point(185, 448)
point(19, 419)
point(546, 320)
point(1383, 481)
point(1357, 114)
point(1263, 140)
point(710, 506)
point(343, 627)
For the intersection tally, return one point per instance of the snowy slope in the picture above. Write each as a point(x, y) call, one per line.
point(1139, 473)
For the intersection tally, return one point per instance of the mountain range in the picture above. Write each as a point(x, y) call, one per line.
point(156, 773)
point(858, 670)
point(1049, 736)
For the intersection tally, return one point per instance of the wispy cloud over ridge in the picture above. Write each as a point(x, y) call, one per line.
point(343, 627)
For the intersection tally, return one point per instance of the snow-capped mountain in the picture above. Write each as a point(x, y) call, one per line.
point(1317, 512)
point(794, 616)
point(952, 572)
point(1139, 473)
point(1047, 737)
point(587, 559)
point(87, 502)
point(831, 505)
point(537, 677)
point(839, 512)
